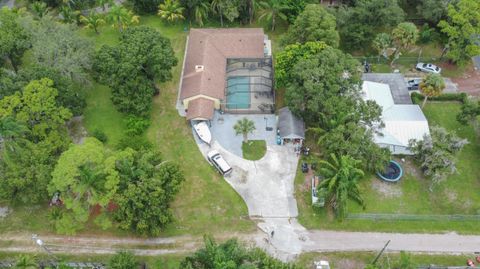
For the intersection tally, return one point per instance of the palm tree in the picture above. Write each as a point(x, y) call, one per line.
point(244, 127)
point(93, 21)
point(271, 9)
point(68, 14)
point(121, 17)
point(89, 183)
point(431, 86)
point(171, 11)
point(104, 4)
point(25, 262)
point(216, 6)
point(200, 12)
point(341, 182)
point(40, 9)
point(252, 7)
point(11, 132)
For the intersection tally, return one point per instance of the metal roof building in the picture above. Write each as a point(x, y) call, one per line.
point(290, 126)
point(403, 122)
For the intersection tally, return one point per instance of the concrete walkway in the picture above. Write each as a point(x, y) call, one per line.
point(7, 3)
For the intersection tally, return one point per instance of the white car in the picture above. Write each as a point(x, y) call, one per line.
point(219, 162)
point(429, 68)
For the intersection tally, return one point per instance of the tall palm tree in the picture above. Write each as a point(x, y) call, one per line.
point(25, 262)
point(11, 132)
point(216, 6)
point(39, 9)
point(171, 11)
point(271, 10)
point(244, 127)
point(252, 7)
point(201, 12)
point(89, 184)
point(341, 182)
point(93, 21)
point(121, 17)
point(433, 85)
point(68, 14)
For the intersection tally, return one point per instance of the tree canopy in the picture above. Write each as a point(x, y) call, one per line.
point(147, 186)
point(357, 24)
point(58, 46)
point(437, 152)
point(24, 175)
point(230, 254)
point(463, 30)
point(14, 39)
point(315, 23)
point(143, 58)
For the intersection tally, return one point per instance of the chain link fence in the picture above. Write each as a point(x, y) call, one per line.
point(373, 216)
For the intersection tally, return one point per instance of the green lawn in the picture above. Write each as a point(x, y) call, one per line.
point(206, 204)
point(254, 149)
point(343, 260)
point(456, 195)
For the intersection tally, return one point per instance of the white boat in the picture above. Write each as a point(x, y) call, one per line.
point(202, 130)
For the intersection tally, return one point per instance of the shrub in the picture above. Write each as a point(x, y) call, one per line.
point(460, 97)
point(134, 142)
point(136, 125)
point(100, 135)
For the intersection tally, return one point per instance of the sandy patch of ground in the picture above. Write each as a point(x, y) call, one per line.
point(386, 189)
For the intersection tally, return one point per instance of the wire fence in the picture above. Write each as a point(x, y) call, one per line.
point(373, 216)
point(400, 60)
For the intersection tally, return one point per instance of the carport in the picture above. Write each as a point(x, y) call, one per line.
point(291, 128)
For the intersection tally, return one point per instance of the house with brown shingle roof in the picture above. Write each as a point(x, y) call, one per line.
point(217, 60)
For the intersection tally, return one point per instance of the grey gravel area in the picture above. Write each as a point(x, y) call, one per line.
point(7, 3)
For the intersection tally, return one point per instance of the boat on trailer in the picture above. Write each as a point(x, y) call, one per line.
point(202, 130)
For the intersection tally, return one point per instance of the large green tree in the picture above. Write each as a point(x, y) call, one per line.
point(315, 23)
point(228, 9)
point(147, 186)
point(132, 69)
point(24, 175)
point(358, 24)
point(59, 46)
point(404, 36)
point(231, 254)
point(120, 17)
point(14, 40)
point(463, 30)
point(341, 176)
point(436, 153)
point(197, 10)
point(85, 177)
point(433, 10)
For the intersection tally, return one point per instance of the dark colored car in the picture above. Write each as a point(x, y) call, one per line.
point(413, 84)
point(304, 167)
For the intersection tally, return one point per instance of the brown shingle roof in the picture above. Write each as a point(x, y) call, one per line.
point(200, 108)
point(211, 48)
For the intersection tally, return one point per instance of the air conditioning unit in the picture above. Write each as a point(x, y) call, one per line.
point(199, 68)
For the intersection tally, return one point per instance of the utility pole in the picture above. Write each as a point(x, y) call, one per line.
point(381, 252)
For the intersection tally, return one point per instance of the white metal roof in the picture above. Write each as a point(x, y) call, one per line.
point(402, 122)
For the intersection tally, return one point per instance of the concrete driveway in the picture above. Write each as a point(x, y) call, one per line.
point(265, 185)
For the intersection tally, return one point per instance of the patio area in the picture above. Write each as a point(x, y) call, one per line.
point(223, 132)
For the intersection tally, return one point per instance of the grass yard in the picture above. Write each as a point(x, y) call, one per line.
point(254, 149)
point(206, 204)
point(169, 261)
point(355, 260)
point(455, 195)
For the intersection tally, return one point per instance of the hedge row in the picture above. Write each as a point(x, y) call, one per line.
point(460, 97)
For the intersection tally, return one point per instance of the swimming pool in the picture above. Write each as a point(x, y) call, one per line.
point(238, 93)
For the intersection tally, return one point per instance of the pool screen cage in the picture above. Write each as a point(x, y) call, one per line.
point(249, 86)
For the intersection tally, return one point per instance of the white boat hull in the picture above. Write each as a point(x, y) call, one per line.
point(203, 132)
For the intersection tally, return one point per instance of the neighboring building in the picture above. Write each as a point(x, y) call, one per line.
point(403, 122)
point(290, 127)
point(228, 70)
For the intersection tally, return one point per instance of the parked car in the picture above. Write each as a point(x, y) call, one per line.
point(413, 84)
point(304, 167)
point(219, 162)
point(429, 68)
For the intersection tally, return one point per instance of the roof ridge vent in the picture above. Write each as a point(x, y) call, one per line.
point(199, 68)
